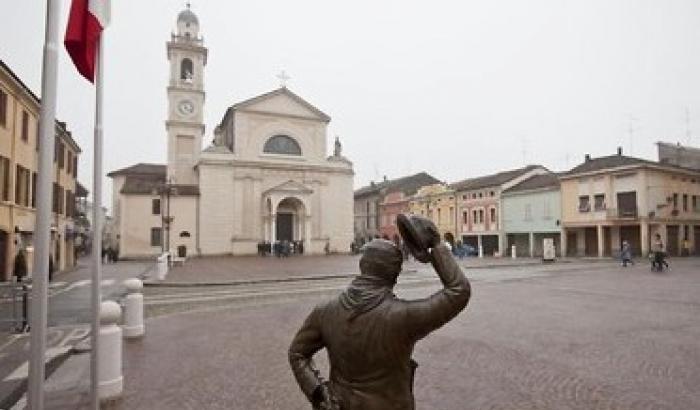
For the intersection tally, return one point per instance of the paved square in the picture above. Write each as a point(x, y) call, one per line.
point(565, 336)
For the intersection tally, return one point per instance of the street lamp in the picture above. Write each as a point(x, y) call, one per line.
point(167, 189)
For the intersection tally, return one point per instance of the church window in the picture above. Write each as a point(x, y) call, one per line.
point(282, 144)
point(186, 69)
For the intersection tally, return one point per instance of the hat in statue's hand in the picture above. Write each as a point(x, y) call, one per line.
point(419, 234)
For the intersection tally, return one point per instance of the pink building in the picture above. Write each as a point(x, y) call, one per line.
point(394, 203)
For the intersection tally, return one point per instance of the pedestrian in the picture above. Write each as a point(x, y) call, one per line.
point(20, 266)
point(686, 247)
point(51, 268)
point(626, 253)
point(659, 252)
point(20, 272)
point(327, 248)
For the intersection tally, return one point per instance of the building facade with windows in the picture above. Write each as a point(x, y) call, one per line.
point(19, 148)
point(610, 199)
point(531, 214)
point(377, 204)
point(437, 203)
point(479, 209)
point(266, 177)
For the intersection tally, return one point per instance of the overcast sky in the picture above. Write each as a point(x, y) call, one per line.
point(454, 88)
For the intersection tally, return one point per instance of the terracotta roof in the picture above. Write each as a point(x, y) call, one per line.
point(491, 180)
point(408, 185)
point(141, 169)
point(616, 161)
point(151, 185)
point(536, 182)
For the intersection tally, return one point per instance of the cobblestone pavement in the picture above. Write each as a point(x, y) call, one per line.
point(603, 338)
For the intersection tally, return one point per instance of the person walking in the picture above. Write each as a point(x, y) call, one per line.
point(659, 260)
point(626, 254)
point(20, 272)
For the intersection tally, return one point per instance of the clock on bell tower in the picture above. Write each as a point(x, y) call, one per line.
point(185, 122)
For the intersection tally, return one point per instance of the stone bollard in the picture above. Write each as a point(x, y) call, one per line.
point(513, 253)
point(109, 373)
point(162, 266)
point(133, 309)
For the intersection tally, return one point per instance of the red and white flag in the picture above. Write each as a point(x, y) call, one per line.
point(85, 24)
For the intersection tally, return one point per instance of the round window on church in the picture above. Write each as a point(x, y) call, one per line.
point(282, 144)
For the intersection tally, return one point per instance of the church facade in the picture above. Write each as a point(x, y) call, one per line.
point(266, 177)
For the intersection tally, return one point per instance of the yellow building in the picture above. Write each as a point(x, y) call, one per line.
point(610, 199)
point(437, 202)
point(19, 148)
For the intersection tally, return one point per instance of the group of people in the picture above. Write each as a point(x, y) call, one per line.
point(657, 255)
point(110, 254)
point(283, 248)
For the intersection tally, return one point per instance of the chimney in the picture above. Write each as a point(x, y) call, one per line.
point(588, 157)
point(619, 151)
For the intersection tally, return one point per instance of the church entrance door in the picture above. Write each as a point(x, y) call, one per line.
point(285, 228)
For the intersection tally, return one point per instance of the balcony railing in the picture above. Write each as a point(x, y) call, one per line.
point(623, 213)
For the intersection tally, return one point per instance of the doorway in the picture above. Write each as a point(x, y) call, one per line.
point(672, 239)
point(285, 230)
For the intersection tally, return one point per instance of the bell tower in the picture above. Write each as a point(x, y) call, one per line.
point(185, 123)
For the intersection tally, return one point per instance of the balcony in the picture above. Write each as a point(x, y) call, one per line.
point(623, 213)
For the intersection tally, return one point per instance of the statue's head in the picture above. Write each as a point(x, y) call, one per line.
point(381, 259)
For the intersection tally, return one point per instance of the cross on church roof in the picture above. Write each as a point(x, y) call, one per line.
point(283, 77)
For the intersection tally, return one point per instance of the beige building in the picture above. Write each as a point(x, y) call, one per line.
point(267, 176)
point(19, 114)
point(610, 199)
point(437, 203)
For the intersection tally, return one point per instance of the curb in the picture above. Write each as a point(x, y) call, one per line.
point(246, 281)
point(256, 281)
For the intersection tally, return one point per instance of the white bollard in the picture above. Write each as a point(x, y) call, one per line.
point(513, 254)
point(481, 251)
point(109, 372)
point(133, 309)
point(162, 266)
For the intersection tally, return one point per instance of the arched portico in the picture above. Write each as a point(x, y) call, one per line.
point(286, 216)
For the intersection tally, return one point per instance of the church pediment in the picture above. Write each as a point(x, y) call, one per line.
point(282, 102)
point(290, 187)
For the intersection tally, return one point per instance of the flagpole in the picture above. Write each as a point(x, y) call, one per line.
point(96, 298)
point(42, 229)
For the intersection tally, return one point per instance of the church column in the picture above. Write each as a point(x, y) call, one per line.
point(273, 228)
point(306, 220)
point(266, 228)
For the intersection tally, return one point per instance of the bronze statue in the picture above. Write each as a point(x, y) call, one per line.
point(369, 333)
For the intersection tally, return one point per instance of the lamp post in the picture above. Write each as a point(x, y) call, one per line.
point(167, 189)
